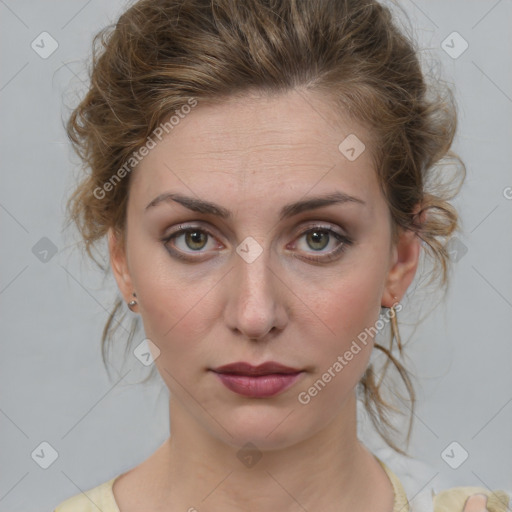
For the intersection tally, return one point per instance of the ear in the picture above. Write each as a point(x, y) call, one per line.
point(404, 263)
point(119, 265)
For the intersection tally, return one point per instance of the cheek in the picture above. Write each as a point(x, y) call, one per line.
point(175, 305)
point(353, 302)
point(177, 318)
point(175, 313)
point(350, 307)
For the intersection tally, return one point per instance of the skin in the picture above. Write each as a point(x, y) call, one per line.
point(252, 156)
point(476, 503)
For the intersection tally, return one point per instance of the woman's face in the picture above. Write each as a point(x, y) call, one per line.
point(272, 244)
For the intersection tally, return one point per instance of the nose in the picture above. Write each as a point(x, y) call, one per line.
point(255, 303)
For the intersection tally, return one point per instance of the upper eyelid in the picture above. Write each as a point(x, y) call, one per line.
point(324, 226)
point(181, 228)
point(327, 226)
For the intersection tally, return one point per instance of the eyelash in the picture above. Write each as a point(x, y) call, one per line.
point(344, 242)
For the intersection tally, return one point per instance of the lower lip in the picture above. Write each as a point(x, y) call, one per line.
point(261, 386)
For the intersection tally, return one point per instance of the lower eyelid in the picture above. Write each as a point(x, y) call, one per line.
point(183, 232)
point(343, 242)
point(340, 248)
point(338, 236)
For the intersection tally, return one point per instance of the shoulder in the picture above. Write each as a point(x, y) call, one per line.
point(98, 498)
point(454, 499)
point(426, 491)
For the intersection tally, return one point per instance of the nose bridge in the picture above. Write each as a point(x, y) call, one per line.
point(255, 304)
point(255, 278)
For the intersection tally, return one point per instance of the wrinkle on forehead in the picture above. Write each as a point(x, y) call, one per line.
point(255, 142)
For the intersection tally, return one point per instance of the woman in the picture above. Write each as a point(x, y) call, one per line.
point(260, 170)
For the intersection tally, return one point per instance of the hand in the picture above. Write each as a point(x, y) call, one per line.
point(476, 503)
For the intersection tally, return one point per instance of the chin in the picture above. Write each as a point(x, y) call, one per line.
point(266, 427)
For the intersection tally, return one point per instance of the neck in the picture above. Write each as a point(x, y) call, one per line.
point(329, 471)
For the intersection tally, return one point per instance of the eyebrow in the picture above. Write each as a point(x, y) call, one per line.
point(289, 210)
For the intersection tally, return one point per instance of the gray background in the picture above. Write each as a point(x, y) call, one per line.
point(52, 381)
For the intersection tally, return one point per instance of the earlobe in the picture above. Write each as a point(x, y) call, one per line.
point(119, 266)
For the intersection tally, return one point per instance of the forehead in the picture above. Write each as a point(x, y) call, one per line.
point(255, 143)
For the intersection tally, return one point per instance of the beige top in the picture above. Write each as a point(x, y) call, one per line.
point(450, 500)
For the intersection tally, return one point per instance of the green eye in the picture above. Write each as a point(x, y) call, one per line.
point(312, 244)
point(189, 243)
point(317, 244)
point(317, 240)
point(196, 240)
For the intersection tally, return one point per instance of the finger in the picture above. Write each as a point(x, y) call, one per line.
point(476, 503)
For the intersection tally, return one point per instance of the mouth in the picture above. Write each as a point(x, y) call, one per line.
point(266, 380)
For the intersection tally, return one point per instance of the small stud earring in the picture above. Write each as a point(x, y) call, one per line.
point(132, 303)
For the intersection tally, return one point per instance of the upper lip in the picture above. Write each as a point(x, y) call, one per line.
point(268, 368)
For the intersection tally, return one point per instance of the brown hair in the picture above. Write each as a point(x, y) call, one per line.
point(162, 53)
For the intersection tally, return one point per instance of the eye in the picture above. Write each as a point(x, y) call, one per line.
point(321, 243)
point(318, 243)
point(189, 240)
